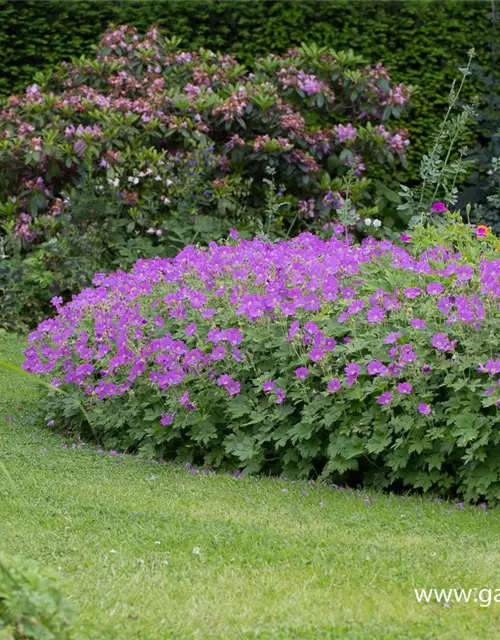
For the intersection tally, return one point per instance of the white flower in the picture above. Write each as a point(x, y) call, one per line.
point(157, 178)
point(159, 232)
point(168, 182)
point(196, 551)
point(165, 200)
point(114, 182)
point(368, 221)
point(151, 231)
point(377, 223)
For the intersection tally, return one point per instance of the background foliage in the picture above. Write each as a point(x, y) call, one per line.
point(422, 42)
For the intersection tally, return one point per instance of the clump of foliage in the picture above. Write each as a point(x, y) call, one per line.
point(31, 605)
point(369, 363)
point(108, 153)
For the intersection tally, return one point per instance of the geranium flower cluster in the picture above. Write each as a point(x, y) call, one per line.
point(299, 355)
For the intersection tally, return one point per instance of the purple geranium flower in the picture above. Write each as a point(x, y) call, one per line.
point(301, 373)
point(219, 353)
point(416, 323)
point(268, 386)
point(166, 419)
point(392, 337)
point(377, 368)
point(334, 385)
point(190, 330)
point(464, 273)
point(224, 380)
point(375, 314)
point(280, 395)
point(385, 398)
point(412, 292)
point(441, 342)
point(435, 288)
point(352, 370)
point(404, 388)
point(233, 388)
point(316, 355)
point(444, 305)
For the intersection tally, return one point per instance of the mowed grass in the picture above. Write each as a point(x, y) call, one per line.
point(146, 550)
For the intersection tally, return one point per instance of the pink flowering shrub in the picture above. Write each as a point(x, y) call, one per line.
point(112, 125)
point(369, 363)
point(312, 113)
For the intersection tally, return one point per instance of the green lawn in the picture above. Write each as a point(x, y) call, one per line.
point(272, 562)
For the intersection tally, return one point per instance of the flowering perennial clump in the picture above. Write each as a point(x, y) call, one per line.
point(299, 357)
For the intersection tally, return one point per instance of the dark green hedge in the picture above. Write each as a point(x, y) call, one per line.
point(421, 41)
